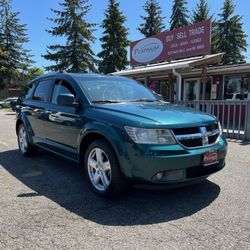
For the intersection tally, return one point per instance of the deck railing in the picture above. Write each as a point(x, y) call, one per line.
point(233, 115)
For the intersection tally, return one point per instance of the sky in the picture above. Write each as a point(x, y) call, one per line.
point(34, 13)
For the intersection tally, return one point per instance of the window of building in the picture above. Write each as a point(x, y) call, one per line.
point(165, 90)
point(192, 90)
point(236, 88)
point(161, 87)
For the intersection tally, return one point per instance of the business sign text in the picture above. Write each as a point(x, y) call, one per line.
point(188, 41)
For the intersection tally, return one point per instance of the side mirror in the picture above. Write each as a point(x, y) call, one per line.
point(67, 100)
point(76, 104)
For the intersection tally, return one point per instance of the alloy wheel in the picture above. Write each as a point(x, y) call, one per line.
point(99, 169)
point(22, 136)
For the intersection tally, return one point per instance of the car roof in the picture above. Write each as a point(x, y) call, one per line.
point(76, 75)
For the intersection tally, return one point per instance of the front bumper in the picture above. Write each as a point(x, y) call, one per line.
point(143, 162)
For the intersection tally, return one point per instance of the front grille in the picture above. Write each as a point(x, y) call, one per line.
point(193, 137)
point(212, 139)
point(190, 143)
point(183, 131)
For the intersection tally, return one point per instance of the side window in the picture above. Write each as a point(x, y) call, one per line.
point(62, 87)
point(42, 91)
point(28, 90)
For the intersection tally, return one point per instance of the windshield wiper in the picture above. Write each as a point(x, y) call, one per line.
point(105, 101)
point(144, 100)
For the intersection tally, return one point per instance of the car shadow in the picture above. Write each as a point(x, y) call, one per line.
point(62, 182)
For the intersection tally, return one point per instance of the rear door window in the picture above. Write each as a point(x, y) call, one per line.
point(28, 91)
point(42, 91)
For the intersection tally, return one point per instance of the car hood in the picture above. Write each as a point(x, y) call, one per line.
point(159, 113)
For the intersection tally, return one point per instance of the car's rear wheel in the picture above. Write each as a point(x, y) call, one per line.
point(25, 147)
point(103, 170)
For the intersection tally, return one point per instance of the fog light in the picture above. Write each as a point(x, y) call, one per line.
point(159, 176)
point(174, 175)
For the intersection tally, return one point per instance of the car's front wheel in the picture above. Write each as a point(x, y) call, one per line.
point(26, 148)
point(103, 170)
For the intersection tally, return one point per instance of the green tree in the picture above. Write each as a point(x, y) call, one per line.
point(3, 59)
point(231, 37)
point(76, 54)
point(215, 37)
point(3, 66)
point(15, 59)
point(179, 17)
point(114, 41)
point(32, 73)
point(3, 53)
point(153, 22)
point(201, 12)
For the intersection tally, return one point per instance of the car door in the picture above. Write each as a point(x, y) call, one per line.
point(35, 109)
point(65, 121)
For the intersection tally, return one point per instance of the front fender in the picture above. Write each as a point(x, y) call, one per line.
point(112, 135)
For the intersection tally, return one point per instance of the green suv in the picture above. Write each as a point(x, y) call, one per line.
point(119, 131)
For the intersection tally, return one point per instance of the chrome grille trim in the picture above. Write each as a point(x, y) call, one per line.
point(197, 135)
point(204, 136)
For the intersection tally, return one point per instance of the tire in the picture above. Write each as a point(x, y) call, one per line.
point(1, 106)
point(25, 147)
point(103, 171)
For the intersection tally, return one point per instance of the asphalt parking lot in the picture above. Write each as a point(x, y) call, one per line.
point(46, 204)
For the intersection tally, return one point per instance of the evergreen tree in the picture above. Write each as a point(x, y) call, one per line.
point(114, 41)
point(76, 55)
point(15, 59)
point(179, 17)
point(32, 73)
point(232, 39)
point(153, 22)
point(3, 66)
point(201, 12)
point(3, 53)
point(215, 37)
point(3, 59)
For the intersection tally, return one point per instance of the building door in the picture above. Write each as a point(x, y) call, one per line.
point(192, 90)
point(210, 89)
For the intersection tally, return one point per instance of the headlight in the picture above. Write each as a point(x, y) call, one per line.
point(220, 128)
point(150, 136)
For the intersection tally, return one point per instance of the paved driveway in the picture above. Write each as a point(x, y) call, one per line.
point(45, 204)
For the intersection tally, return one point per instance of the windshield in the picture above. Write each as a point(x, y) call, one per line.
point(115, 89)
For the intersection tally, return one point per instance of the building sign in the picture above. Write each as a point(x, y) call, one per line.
point(188, 41)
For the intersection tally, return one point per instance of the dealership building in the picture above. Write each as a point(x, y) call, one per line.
point(178, 65)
